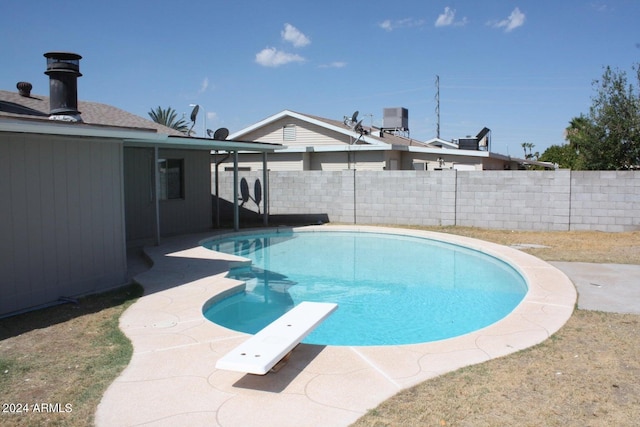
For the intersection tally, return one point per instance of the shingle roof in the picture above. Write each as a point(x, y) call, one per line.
point(12, 104)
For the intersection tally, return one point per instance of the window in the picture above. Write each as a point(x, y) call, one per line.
point(171, 178)
point(289, 133)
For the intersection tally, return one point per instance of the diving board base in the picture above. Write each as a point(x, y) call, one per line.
point(260, 353)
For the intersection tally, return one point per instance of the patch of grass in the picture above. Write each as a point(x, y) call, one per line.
point(63, 358)
point(569, 246)
point(590, 376)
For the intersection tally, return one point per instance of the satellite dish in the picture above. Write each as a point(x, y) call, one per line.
point(194, 113)
point(354, 117)
point(221, 134)
point(358, 127)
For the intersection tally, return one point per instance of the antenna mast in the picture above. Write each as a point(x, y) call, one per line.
point(437, 106)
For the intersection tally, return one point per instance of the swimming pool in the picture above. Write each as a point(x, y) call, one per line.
point(391, 289)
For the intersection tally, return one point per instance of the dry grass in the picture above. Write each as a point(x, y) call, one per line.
point(570, 246)
point(588, 374)
point(63, 355)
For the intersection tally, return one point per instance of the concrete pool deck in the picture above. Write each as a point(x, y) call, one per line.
point(172, 379)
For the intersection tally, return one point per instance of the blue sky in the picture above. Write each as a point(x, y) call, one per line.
point(521, 68)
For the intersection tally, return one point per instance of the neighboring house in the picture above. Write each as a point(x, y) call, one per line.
point(316, 143)
point(82, 181)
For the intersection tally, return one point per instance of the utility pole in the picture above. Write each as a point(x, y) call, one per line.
point(437, 106)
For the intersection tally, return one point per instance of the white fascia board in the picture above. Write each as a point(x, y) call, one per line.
point(336, 148)
point(449, 152)
point(261, 123)
point(220, 145)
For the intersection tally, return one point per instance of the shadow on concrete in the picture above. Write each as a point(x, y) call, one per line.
point(276, 382)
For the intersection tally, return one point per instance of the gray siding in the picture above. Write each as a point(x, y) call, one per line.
point(193, 213)
point(139, 194)
point(62, 222)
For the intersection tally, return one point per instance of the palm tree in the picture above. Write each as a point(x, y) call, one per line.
point(169, 118)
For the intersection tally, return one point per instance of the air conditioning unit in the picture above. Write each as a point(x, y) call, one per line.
point(396, 118)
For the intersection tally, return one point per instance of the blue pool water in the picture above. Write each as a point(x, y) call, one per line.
point(390, 289)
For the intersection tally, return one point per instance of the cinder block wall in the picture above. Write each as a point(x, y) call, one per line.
point(605, 200)
point(516, 200)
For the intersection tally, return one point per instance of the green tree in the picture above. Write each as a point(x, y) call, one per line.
point(529, 155)
point(169, 118)
point(608, 138)
point(569, 155)
point(563, 155)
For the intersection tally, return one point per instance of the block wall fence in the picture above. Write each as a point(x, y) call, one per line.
point(516, 200)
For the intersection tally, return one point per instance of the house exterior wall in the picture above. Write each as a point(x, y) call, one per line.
point(62, 228)
point(192, 213)
point(517, 200)
point(305, 134)
point(279, 162)
point(139, 193)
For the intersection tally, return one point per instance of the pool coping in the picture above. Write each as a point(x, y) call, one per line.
point(172, 377)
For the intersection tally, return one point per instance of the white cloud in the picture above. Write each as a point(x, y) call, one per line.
point(335, 64)
point(386, 25)
point(294, 36)
point(204, 85)
point(212, 116)
point(446, 18)
point(515, 20)
point(272, 57)
point(389, 25)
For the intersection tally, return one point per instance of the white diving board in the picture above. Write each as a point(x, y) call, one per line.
point(260, 353)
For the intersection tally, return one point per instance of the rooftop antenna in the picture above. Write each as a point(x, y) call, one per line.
point(194, 114)
point(437, 106)
point(370, 118)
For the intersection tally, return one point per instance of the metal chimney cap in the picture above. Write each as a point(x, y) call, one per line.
point(63, 55)
point(63, 61)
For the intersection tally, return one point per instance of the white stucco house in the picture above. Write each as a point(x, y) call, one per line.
point(317, 143)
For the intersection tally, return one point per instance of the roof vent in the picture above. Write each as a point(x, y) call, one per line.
point(24, 89)
point(63, 69)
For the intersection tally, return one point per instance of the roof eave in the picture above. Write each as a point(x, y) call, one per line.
point(75, 129)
